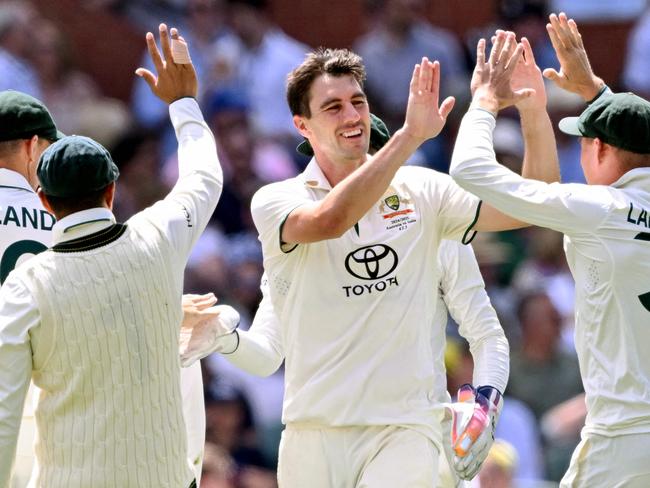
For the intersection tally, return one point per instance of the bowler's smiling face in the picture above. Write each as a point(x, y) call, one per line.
point(339, 126)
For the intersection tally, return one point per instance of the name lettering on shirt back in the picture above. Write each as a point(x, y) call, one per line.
point(26, 218)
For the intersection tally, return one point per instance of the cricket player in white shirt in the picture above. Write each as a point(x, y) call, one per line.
point(27, 231)
point(25, 226)
point(122, 416)
point(350, 248)
point(607, 242)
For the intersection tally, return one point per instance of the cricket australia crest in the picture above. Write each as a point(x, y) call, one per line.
point(392, 202)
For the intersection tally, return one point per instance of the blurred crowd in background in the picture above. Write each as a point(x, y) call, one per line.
point(242, 58)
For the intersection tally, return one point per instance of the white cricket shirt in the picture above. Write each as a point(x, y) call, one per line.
point(355, 312)
point(25, 226)
point(607, 243)
point(25, 230)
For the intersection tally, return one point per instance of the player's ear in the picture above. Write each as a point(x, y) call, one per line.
point(43, 198)
point(32, 148)
point(109, 195)
point(300, 123)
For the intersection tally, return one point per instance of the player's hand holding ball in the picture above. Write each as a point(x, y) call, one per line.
point(474, 418)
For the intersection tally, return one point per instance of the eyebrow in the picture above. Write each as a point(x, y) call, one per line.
point(329, 101)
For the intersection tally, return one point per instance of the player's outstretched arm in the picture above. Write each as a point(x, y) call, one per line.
point(173, 80)
point(354, 195)
point(575, 73)
point(260, 351)
point(185, 212)
point(206, 328)
point(540, 153)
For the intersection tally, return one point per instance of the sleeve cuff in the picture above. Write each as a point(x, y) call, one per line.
point(184, 110)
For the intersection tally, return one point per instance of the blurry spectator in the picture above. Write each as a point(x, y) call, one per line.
point(71, 95)
point(145, 15)
point(599, 10)
point(397, 41)
point(137, 155)
point(496, 257)
point(207, 268)
point(16, 21)
point(248, 160)
point(230, 425)
point(218, 467)
point(636, 74)
point(265, 395)
point(545, 269)
point(528, 18)
point(499, 466)
point(259, 63)
point(542, 375)
point(244, 257)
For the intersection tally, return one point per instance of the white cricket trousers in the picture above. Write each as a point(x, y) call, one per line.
point(194, 415)
point(610, 462)
point(356, 457)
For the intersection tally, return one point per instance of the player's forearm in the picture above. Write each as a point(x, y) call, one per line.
point(351, 198)
point(256, 354)
point(540, 153)
point(491, 357)
point(200, 179)
point(197, 150)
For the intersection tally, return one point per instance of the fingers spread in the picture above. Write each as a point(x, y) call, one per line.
point(165, 44)
point(480, 53)
point(506, 57)
point(425, 76)
point(497, 46)
point(415, 79)
point(435, 81)
point(446, 107)
point(514, 55)
point(153, 52)
point(551, 74)
point(147, 76)
point(528, 51)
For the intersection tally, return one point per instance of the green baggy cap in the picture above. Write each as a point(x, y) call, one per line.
point(621, 120)
point(75, 166)
point(379, 135)
point(23, 116)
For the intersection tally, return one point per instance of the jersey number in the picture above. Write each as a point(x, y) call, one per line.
point(13, 253)
point(645, 298)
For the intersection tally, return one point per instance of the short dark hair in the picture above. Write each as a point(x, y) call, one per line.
point(63, 206)
point(335, 62)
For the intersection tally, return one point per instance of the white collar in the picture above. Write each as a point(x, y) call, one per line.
point(13, 179)
point(82, 223)
point(636, 174)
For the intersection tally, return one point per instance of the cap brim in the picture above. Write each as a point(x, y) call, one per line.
point(305, 148)
point(59, 135)
point(569, 125)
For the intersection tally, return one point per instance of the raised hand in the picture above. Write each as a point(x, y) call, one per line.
point(424, 118)
point(490, 83)
point(172, 80)
point(575, 73)
point(528, 75)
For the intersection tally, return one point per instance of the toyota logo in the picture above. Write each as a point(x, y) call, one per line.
point(371, 262)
